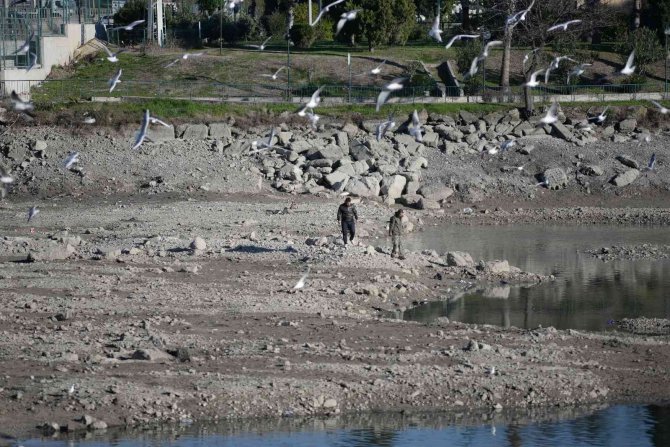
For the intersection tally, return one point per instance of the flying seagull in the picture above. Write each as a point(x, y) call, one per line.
point(435, 32)
point(577, 71)
point(384, 127)
point(520, 16)
point(485, 52)
point(600, 118)
point(5, 178)
point(507, 145)
point(460, 37)
point(652, 162)
point(142, 134)
point(32, 212)
point(115, 80)
point(32, 60)
point(129, 27)
point(112, 57)
point(22, 106)
point(301, 283)
point(533, 82)
point(89, 120)
point(660, 108)
point(233, 3)
point(563, 26)
point(183, 58)
point(26, 45)
point(264, 144)
point(154, 120)
point(378, 68)
point(393, 86)
point(344, 18)
point(313, 118)
point(527, 56)
point(312, 103)
point(324, 10)
point(276, 73)
point(629, 69)
point(261, 47)
point(72, 158)
point(416, 129)
point(552, 114)
point(474, 67)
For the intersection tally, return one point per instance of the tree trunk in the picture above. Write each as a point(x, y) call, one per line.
point(465, 15)
point(504, 69)
point(638, 12)
point(528, 101)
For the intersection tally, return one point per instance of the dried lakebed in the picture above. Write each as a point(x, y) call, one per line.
point(148, 329)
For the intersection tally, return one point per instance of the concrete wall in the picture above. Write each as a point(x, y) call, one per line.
point(56, 50)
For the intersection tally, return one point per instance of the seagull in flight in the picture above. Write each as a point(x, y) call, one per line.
point(507, 145)
point(22, 106)
point(520, 16)
point(435, 32)
point(301, 283)
point(261, 47)
point(32, 60)
point(563, 26)
point(460, 37)
point(552, 114)
point(142, 134)
point(115, 80)
point(652, 163)
point(32, 212)
point(384, 127)
point(264, 144)
point(474, 67)
point(129, 27)
point(72, 158)
point(485, 52)
point(527, 56)
point(183, 58)
point(344, 18)
point(378, 68)
point(312, 103)
point(600, 118)
point(533, 82)
point(5, 178)
point(112, 57)
point(276, 73)
point(393, 86)
point(233, 3)
point(26, 45)
point(578, 71)
point(416, 130)
point(325, 10)
point(629, 69)
point(660, 108)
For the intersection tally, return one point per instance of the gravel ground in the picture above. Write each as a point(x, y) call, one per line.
point(149, 329)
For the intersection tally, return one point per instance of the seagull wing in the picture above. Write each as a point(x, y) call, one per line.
point(381, 99)
point(546, 75)
point(340, 23)
point(135, 23)
point(534, 75)
point(629, 62)
point(157, 121)
point(659, 106)
point(415, 119)
point(172, 63)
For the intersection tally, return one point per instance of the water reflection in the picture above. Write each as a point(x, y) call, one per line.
point(586, 295)
point(615, 426)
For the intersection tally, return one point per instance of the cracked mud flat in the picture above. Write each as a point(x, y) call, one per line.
point(149, 330)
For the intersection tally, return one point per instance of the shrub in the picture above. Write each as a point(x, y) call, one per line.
point(646, 45)
point(275, 23)
point(303, 35)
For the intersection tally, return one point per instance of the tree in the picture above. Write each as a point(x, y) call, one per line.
point(209, 6)
point(385, 21)
point(647, 48)
point(132, 10)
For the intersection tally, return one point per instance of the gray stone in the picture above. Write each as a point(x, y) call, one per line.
point(526, 149)
point(608, 131)
point(331, 152)
point(627, 125)
point(436, 192)
point(98, 425)
point(337, 180)
point(290, 172)
point(592, 170)
point(497, 267)
point(467, 117)
point(626, 160)
point(320, 163)
point(459, 259)
point(365, 187)
point(301, 146)
point(158, 134)
point(351, 129)
point(359, 151)
point(342, 140)
point(562, 132)
point(52, 252)
point(412, 187)
point(347, 169)
point(360, 167)
point(626, 178)
point(431, 139)
point(408, 143)
point(330, 403)
point(193, 131)
point(414, 164)
point(555, 178)
point(393, 186)
point(284, 138)
point(410, 200)
point(151, 355)
point(220, 130)
point(427, 204)
point(198, 244)
point(492, 118)
point(39, 145)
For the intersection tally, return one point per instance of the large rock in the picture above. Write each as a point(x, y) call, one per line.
point(161, 133)
point(436, 192)
point(193, 131)
point(427, 204)
point(410, 200)
point(301, 146)
point(365, 187)
point(627, 125)
point(408, 143)
point(626, 160)
point(467, 117)
point(626, 178)
point(431, 139)
point(52, 252)
point(342, 140)
point(393, 186)
point(555, 178)
point(331, 152)
point(496, 267)
point(592, 170)
point(220, 130)
point(359, 151)
point(337, 181)
point(459, 259)
point(414, 164)
point(290, 172)
point(562, 132)
point(360, 167)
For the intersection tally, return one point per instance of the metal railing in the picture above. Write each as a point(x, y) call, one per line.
point(69, 90)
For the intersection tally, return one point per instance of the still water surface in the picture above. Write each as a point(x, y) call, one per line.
point(619, 426)
point(587, 293)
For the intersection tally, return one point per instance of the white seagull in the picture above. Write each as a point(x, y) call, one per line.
point(26, 45)
point(261, 47)
point(629, 69)
point(129, 27)
point(600, 118)
point(312, 103)
point(142, 134)
point(520, 16)
point(474, 67)
point(384, 127)
point(276, 73)
point(22, 106)
point(32, 212)
point(325, 10)
point(393, 86)
point(578, 71)
point(435, 32)
point(344, 18)
point(652, 163)
point(183, 58)
point(533, 82)
point(416, 129)
point(485, 52)
point(5, 178)
point(661, 108)
point(154, 120)
point(115, 80)
point(378, 68)
point(112, 57)
point(233, 3)
point(313, 118)
point(552, 114)
point(32, 60)
point(259, 145)
point(301, 283)
point(507, 145)
point(460, 37)
point(563, 26)
point(527, 56)
point(89, 120)
point(72, 158)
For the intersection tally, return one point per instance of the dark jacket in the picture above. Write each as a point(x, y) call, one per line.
point(346, 213)
point(395, 226)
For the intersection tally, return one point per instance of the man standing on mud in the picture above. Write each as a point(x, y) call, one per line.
point(395, 231)
point(347, 217)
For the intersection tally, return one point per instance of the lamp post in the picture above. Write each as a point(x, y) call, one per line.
point(221, 29)
point(486, 35)
point(349, 64)
point(665, 90)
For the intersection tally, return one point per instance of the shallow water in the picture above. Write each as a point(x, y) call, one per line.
point(587, 292)
point(639, 426)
